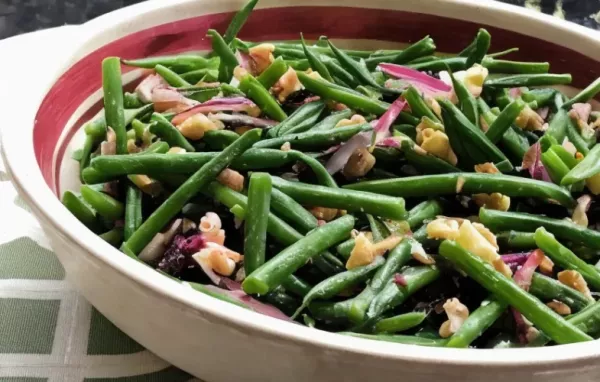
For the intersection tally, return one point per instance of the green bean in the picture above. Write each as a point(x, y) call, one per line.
point(332, 120)
point(200, 179)
point(547, 289)
point(277, 228)
point(423, 59)
point(504, 121)
point(588, 167)
point(228, 60)
point(82, 211)
point(466, 101)
point(298, 64)
point(345, 248)
point(113, 101)
point(291, 211)
point(219, 139)
point(323, 177)
point(281, 300)
point(588, 320)
point(343, 95)
point(339, 74)
point(261, 96)
point(180, 63)
point(509, 292)
point(355, 309)
point(585, 95)
point(516, 240)
point(393, 295)
point(423, 161)
point(482, 45)
point(566, 259)
point(273, 272)
point(470, 183)
point(195, 76)
point(543, 97)
point(289, 53)
point(349, 200)
point(131, 101)
point(95, 132)
point(478, 322)
point(418, 107)
point(255, 239)
point(556, 168)
point(378, 229)
point(238, 21)
point(581, 143)
point(335, 284)
point(503, 53)
point(455, 63)
point(400, 323)
point(512, 142)
point(314, 140)
point(361, 73)
point(133, 211)
point(273, 73)
point(104, 204)
point(169, 133)
point(171, 77)
point(315, 63)
point(516, 80)
point(516, 67)
point(563, 229)
point(423, 47)
point(423, 211)
point(202, 95)
point(113, 237)
point(302, 119)
point(296, 286)
point(402, 339)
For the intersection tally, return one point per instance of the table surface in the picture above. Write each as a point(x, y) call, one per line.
point(47, 331)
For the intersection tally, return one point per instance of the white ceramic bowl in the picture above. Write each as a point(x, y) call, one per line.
point(222, 342)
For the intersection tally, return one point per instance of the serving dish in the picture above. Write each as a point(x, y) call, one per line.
point(209, 338)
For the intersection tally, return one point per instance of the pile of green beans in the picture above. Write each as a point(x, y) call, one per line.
point(307, 176)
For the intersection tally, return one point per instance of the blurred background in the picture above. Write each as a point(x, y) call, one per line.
point(22, 16)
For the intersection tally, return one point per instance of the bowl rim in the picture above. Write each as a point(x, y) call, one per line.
point(17, 151)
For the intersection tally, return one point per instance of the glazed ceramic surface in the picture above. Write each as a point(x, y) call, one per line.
point(215, 340)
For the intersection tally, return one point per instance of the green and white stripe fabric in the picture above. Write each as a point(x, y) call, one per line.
point(48, 332)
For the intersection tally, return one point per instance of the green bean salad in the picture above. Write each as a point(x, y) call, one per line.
point(395, 195)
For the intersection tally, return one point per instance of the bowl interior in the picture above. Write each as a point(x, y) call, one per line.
point(78, 90)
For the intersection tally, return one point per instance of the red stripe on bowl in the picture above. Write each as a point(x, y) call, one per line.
point(450, 35)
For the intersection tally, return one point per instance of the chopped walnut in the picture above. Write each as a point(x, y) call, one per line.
point(188, 225)
point(241, 130)
point(575, 280)
point(457, 314)
point(324, 213)
point(493, 201)
point(362, 253)
point(437, 143)
point(559, 307)
point(359, 163)
point(217, 237)
point(195, 126)
point(239, 73)
point(547, 266)
point(108, 148)
point(210, 222)
point(286, 146)
point(593, 184)
point(580, 211)
point(232, 179)
point(443, 228)
point(287, 84)
point(474, 79)
point(216, 259)
point(355, 120)
point(262, 56)
point(176, 150)
point(146, 184)
point(132, 147)
point(477, 239)
point(418, 253)
point(433, 105)
point(528, 119)
point(487, 168)
point(460, 182)
point(386, 244)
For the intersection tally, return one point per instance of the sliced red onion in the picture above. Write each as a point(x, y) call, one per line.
point(543, 112)
point(421, 81)
point(382, 127)
point(244, 60)
point(514, 92)
point(523, 276)
point(522, 327)
point(243, 119)
point(517, 258)
point(148, 84)
point(390, 142)
point(341, 156)
point(400, 280)
point(169, 99)
point(215, 105)
point(252, 303)
point(532, 161)
point(229, 284)
point(174, 229)
point(583, 110)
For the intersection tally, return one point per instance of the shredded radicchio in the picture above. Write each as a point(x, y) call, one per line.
point(523, 279)
point(179, 254)
point(400, 280)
